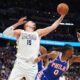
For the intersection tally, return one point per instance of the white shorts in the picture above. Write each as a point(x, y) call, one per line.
point(23, 69)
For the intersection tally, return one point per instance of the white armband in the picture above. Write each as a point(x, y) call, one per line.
point(9, 31)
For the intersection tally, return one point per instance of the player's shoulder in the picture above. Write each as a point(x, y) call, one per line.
point(17, 33)
point(55, 52)
point(36, 33)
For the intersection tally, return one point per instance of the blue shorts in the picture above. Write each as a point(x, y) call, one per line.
point(41, 76)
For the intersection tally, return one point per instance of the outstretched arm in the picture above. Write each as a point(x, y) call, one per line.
point(74, 59)
point(10, 31)
point(45, 31)
point(51, 55)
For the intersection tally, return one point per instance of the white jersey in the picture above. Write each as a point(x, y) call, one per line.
point(28, 45)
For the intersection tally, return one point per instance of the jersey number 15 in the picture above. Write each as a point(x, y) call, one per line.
point(28, 42)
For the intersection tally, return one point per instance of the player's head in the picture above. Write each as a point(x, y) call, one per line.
point(68, 51)
point(30, 26)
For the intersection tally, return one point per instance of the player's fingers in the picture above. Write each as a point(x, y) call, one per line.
point(24, 18)
point(63, 16)
point(24, 21)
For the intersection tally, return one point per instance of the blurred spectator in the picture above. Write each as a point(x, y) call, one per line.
point(7, 59)
point(8, 46)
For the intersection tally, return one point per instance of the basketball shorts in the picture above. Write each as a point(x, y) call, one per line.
point(41, 76)
point(23, 69)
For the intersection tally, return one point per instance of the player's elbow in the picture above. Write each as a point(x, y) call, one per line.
point(8, 33)
point(5, 32)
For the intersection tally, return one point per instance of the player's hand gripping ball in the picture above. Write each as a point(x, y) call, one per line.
point(62, 9)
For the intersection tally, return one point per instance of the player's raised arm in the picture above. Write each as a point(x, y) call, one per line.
point(10, 31)
point(47, 30)
point(74, 59)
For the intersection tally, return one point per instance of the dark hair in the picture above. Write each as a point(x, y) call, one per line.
point(65, 48)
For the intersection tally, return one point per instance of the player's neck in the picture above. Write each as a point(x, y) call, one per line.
point(64, 58)
point(29, 30)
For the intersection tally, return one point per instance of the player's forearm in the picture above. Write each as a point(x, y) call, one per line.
point(76, 59)
point(16, 25)
point(40, 58)
point(57, 23)
point(50, 55)
point(44, 56)
point(9, 31)
point(45, 31)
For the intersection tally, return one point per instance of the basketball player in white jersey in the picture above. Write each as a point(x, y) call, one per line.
point(28, 42)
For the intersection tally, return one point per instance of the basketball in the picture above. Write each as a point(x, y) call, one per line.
point(62, 9)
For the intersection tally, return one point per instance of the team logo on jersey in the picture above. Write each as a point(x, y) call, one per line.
point(59, 66)
point(28, 36)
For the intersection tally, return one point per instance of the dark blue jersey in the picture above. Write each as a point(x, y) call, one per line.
point(40, 66)
point(55, 69)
